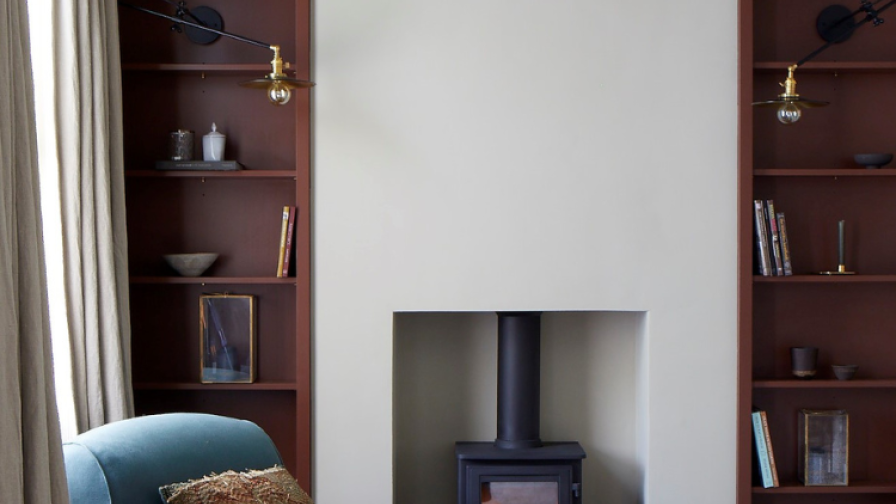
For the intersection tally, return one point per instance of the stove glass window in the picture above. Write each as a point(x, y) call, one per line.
point(519, 492)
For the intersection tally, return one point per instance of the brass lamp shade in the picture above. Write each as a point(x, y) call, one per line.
point(268, 80)
point(799, 102)
point(277, 84)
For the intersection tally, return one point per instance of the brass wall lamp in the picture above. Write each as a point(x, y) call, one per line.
point(205, 28)
point(835, 24)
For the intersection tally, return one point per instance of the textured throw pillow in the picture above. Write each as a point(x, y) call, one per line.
point(270, 486)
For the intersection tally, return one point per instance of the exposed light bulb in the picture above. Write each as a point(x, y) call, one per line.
point(279, 93)
point(789, 113)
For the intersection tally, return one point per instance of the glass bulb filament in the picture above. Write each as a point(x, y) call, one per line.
point(278, 93)
point(789, 113)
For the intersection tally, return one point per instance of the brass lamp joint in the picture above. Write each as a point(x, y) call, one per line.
point(789, 85)
point(277, 64)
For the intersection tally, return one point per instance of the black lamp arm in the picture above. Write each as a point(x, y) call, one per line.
point(870, 15)
point(206, 28)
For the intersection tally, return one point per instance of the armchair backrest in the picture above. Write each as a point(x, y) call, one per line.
point(126, 462)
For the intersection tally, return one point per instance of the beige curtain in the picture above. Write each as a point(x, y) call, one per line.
point(31, 469)
point(89, 125)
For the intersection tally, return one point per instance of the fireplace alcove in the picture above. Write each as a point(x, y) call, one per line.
point(444, 390)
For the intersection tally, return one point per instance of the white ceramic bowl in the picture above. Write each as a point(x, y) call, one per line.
point(191, 265)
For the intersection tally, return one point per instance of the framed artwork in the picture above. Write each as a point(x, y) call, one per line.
point(227, 338)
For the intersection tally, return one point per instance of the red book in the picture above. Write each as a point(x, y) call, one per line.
point(287, 253)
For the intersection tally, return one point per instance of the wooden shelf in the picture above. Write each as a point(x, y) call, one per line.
point(825, 384)
point(858, 487)
point(825, 172)
point(259, 68)
point(827, 66)
point(213, 386)
point(832, 279)
point(235, 174)
point(156, 280)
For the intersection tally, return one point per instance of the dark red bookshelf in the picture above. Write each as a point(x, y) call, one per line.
point(170, 83)
point(808, 170)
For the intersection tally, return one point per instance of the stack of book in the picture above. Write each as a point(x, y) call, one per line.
point(765, 455)
point(772, 245)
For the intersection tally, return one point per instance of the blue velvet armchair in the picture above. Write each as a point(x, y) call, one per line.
point(126, 462)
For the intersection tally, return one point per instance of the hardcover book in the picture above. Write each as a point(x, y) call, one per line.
point(287, 254)
point(774, 238)
point(785, 244)
point(762, 248)
point(768, 448)
point(284, 224)
point(762, 451)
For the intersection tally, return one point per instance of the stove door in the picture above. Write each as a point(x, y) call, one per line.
point(519, 484)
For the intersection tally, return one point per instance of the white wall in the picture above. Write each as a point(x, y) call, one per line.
point(515, 155)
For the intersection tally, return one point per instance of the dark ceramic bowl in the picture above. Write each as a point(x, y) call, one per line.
point(873, 160)
point(844, 372)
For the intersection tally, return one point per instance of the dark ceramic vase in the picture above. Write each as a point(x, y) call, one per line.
point(803, 361)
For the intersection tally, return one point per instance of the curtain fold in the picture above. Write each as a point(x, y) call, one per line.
point(31, 467)
point(89, 137)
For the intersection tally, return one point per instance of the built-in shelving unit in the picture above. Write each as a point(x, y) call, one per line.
point(170, 83)
point(808, 170)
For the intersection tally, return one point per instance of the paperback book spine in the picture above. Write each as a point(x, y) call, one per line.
point(774, 238)
point(283, 226)
point(768, 448)
point(762, 250)
point(290, 225)
point(761, 451)
point(785, 244)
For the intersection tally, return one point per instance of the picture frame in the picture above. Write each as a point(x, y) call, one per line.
point(227, 338)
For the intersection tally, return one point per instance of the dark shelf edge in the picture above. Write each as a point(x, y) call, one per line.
point(236, 174)
point(860, 487)
point(214, 386)
point(824, 66)
point(824, 172)
point(198, 67)
point(175, 280)
point(825, 384)
point(817, 278)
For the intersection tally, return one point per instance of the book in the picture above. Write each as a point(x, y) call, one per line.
point(762, 249)
point(785, 244)
point(761, 451)
point(774, 238)
point(284, 224)
point(198, 165)
point(768, 448)
point(287, 254)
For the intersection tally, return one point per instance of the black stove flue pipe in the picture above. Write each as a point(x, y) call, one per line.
point(519, 380)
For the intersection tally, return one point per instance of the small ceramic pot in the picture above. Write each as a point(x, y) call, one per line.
point(803, 361)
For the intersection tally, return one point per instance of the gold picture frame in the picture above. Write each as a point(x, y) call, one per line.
point(227, 338)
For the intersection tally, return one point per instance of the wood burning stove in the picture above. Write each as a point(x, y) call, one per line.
point(518, 468)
